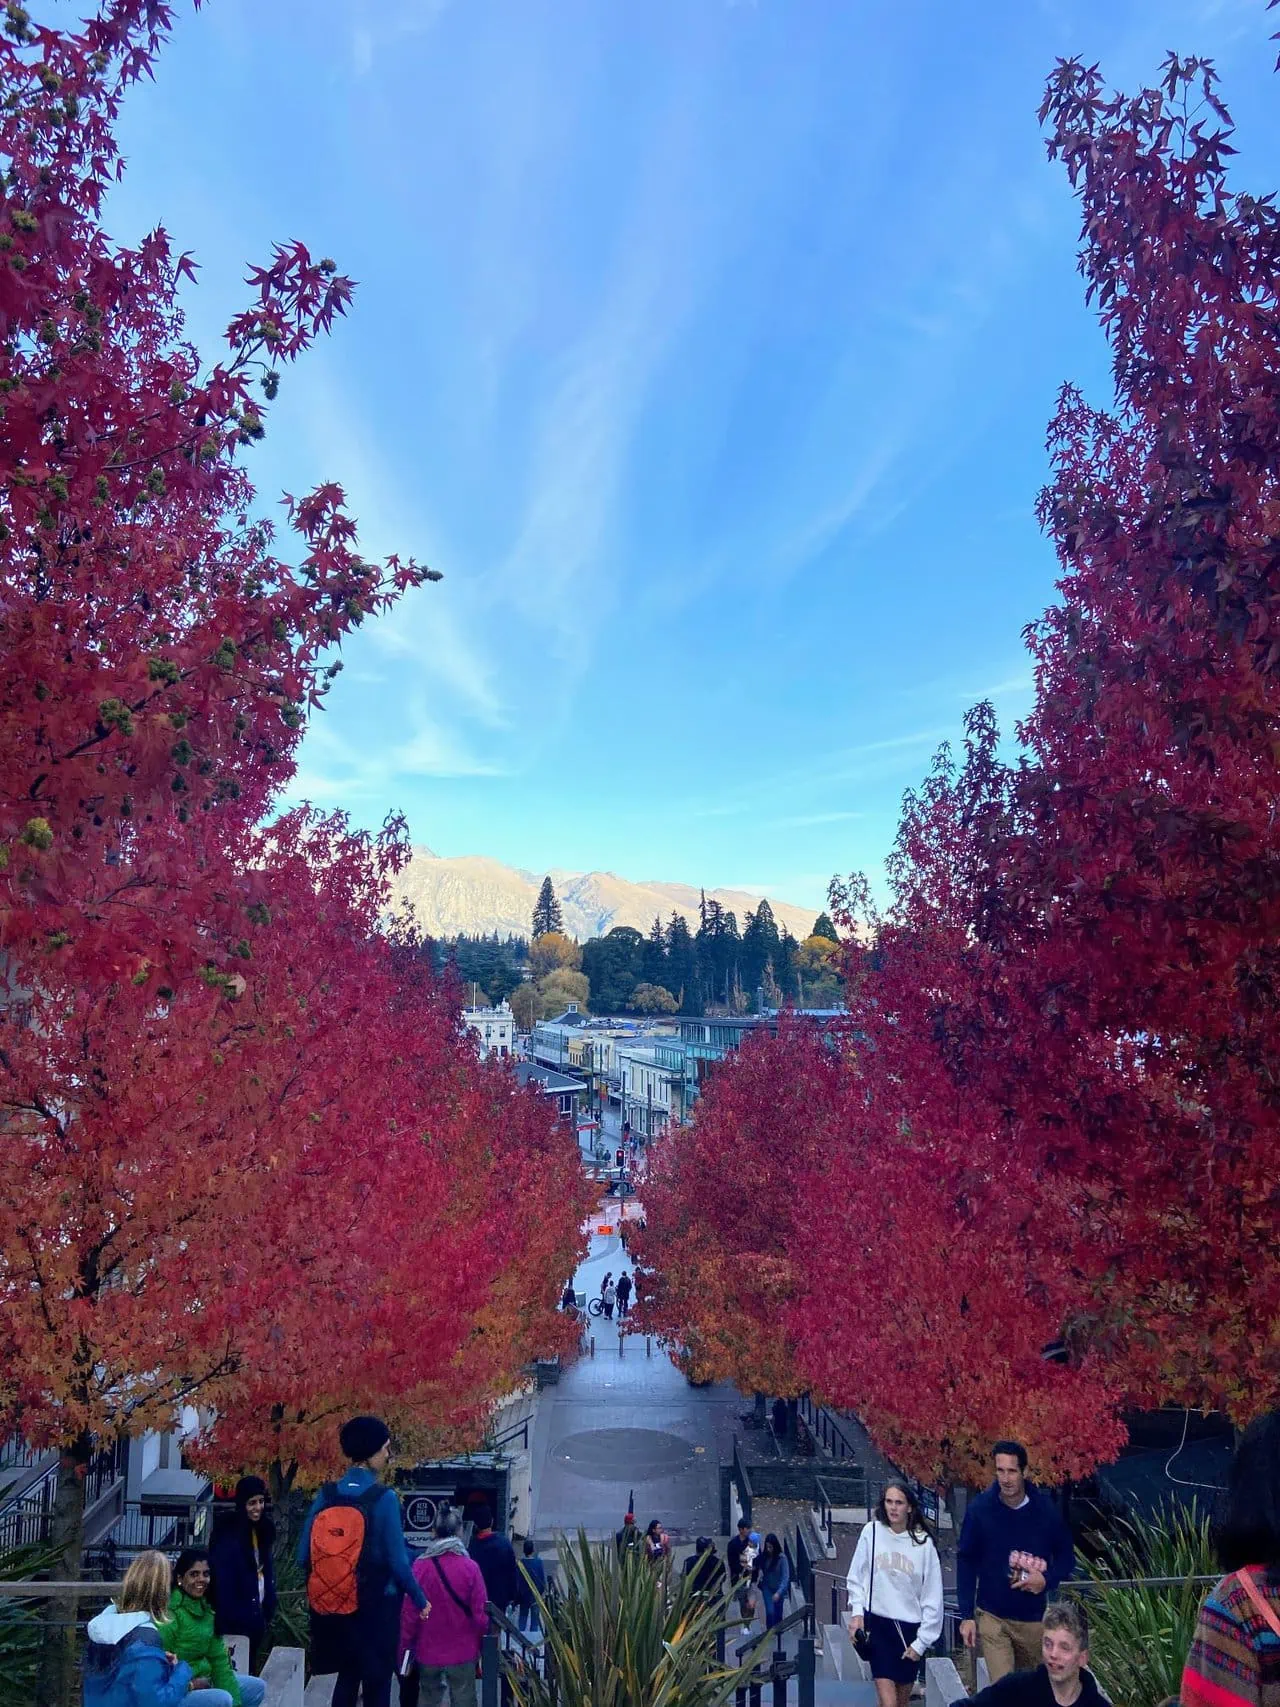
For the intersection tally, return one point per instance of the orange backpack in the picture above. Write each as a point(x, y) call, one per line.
point(339, 1545)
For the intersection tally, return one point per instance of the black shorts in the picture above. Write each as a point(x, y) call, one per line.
point(887, 1637)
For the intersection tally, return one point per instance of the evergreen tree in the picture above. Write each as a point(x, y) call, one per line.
point(784, 965)
point(655, 957)
point(822, 926)
point(682, 966)
point(760, 950)
point(546, 912)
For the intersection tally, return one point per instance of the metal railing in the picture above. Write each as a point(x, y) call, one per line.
point(17, 1454)
point(507, 1648)
point(742, 1480)
point(137, 1531)
point(777, 1667)
point(516, 1431)
point(827, 1431)
point(25, 1519)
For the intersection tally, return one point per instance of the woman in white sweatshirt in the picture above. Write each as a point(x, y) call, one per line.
point(895, 1594)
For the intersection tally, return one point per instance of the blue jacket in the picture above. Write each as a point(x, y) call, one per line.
point(390, 1555)
point(496, 1558)
point(237, 1609)
point(775, 1580)
point(125, 1664)
point(992, 1530)
point(538, 1572)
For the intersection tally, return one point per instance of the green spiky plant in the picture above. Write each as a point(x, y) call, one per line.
point(20, 1625)
point(1139, 1636)
point(621, 1633)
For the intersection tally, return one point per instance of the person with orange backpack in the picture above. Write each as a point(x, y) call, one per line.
point(357, 1567)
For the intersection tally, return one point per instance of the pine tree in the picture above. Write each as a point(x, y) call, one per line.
point(546, 912)
point(822, 926)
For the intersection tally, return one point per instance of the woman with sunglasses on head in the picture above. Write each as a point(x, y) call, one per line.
point(895, 1594)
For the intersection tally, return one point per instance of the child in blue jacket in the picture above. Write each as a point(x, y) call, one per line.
point(125, 1664)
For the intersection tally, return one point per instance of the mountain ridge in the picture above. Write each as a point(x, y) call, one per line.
point(473, 895)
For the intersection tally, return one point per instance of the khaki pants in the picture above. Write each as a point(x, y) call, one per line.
point(1008, 1644)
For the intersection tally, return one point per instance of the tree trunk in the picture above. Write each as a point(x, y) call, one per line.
point(57, 1678)
point(761, 1400)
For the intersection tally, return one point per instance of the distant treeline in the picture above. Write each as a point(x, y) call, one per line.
point(718, 967)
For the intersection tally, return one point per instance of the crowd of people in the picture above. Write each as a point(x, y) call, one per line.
point(376, 1614)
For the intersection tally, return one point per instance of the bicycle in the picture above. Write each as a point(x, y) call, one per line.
point(596, 1307)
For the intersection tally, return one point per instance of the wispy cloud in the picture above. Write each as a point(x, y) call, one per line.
point(811, 820)
point(378, 29)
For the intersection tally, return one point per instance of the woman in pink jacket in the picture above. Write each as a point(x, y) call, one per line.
point(445, 1647)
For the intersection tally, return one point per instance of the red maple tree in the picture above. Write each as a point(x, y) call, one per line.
point(718, 1263)
point(249, 1160)
point(1063, 1126)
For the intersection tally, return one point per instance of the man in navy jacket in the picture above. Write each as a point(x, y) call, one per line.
point(1000, 1604)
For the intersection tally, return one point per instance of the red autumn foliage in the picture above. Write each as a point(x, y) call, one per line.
point(1065, 1028)
point(249, 1160)
point(717, 1259)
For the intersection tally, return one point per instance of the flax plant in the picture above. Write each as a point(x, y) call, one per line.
point(1139, 1636)
point(622, 1633)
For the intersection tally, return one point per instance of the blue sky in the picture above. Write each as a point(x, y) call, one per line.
point(706, 346)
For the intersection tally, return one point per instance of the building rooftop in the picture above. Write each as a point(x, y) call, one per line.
point(552, 1083)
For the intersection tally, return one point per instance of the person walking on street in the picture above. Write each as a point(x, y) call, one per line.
point(355, 1591)
point(242, 1560)
point(125, 1664)
point(705, 1567)
point(895, 1594)
point(739, 1563)
point(496, 1558)
point(606, 1283)
point(623, 1290)
point(446, 1647)
point(628, 1536)
point(773, 1574)
point(569, 1299)
point(608, 1299)
point(533, 1585)
point(189, 1635)
point(1061, 1679)
point(1235, 1652)
point(1001, 1599)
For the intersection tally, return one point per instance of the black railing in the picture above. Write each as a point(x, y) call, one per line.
point(776, 1667)
point(25, 1519)
point(137, 1531)
point(827, 1430)
point(16, 1454)
point(741, 1480)
point(507, 1648)
point(803, 1567)
point(517, 1431)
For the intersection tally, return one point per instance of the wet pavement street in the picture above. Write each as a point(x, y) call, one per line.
point(621, 1422)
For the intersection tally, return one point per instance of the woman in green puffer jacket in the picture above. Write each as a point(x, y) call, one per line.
point(190, 1635)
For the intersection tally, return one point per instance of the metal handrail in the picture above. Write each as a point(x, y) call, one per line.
point(493, 1442)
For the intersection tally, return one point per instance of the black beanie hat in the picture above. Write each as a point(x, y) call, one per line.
point(362, 1437)
point(247, 1488)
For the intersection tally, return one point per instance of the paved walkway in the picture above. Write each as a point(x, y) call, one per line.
point(621, 1422)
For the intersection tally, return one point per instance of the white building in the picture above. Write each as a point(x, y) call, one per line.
point(653, 1085)
point(495, 1028)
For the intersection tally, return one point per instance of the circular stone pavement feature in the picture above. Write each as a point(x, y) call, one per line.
point(627, 1454)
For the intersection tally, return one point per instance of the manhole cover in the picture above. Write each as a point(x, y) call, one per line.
point(623, 1454)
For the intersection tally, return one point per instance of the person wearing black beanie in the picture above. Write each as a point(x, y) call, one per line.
point(363, 1438)
point(243, 1567)
point(359, 1644)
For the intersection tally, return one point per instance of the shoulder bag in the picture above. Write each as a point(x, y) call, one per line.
point(862, 1638)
